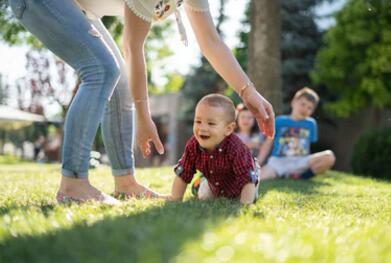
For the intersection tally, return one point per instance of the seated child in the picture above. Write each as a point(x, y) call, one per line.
point(294, 133)
point(247, 130)
point(223, 159)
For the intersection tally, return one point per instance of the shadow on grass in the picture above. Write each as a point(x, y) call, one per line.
point(156, 234)
point(306, 187)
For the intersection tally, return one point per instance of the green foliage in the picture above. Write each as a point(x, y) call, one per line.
point(355, 64)
point(29, 133)
point(12, 32)
point(115, 26)
point(372, 154)
point(157, 50)
point(300, 41)
point(174, 82)
point(334, 218)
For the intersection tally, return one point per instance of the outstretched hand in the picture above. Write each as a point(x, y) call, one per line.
point(147, 134)
point(262, 110)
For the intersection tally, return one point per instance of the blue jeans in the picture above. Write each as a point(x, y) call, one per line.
point(103, 96)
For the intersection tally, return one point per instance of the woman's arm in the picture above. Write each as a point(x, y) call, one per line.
point(222, 60)
point(135, 33)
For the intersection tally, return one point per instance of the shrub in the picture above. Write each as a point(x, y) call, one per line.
point(372, 154)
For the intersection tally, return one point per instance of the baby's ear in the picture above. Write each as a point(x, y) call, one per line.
point(230, 128)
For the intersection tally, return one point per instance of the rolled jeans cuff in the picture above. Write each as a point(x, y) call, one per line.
point(72, 174)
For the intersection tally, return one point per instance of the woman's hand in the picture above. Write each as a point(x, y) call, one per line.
point(145, 134)
point(262, 110)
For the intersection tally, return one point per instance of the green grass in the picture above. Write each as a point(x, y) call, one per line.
point(334, 218)
point(10, 159)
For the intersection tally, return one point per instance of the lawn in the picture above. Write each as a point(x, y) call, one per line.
point(334, 218)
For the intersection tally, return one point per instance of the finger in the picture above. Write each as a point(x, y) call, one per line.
point(261, 116)
point(268, 128)
point(268, 125)
point(272, 127)
point(262, 112)
point(146, 149)
point(271, 121)
point(141, 148)
point(158, 144)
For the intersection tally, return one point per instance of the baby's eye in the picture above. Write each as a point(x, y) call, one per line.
point(198, 122)
point(211, 123)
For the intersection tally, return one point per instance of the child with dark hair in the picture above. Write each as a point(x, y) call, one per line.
point(248, 131)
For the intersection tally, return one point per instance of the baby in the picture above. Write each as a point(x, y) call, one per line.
point(224, 160)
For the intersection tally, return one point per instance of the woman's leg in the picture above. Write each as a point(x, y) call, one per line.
point(63, 28)
point(118, 126)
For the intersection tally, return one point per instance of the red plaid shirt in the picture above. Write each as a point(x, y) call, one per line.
point(228, 168)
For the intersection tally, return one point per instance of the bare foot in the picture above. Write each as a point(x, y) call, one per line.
point(126, 187)
point(80, 190)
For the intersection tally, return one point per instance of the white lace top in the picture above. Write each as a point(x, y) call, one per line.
point(148, 10)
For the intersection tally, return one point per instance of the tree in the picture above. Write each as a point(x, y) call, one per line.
point(48, 82)
point(157, 51)
point(264, 50)
point(241, 51)
point(300, 41)
point(355, 63)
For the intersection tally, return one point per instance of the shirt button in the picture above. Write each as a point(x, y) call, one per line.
point(220, 150)
point(211, 157)
point(211, 172)
point(222, 191)
point(217, 183)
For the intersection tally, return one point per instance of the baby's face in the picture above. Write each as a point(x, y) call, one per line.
point(211, 126)
point(302, 108)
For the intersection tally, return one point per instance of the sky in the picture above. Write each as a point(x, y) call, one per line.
point(13, 58)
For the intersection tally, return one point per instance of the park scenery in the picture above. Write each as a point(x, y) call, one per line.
point(335, 208)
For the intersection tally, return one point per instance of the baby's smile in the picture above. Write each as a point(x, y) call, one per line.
point(204, 137)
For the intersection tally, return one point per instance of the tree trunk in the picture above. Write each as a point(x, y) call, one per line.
point(264, 50)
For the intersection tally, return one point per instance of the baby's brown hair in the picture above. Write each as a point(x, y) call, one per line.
point(218, 100)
